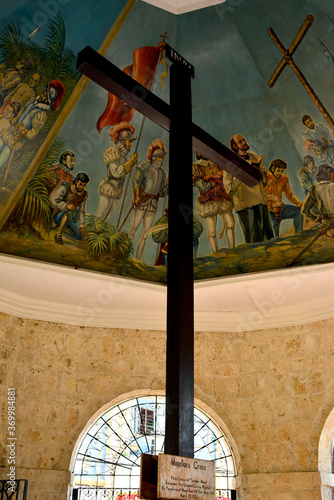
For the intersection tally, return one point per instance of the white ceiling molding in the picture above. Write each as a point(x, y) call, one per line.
point(260, 301)
point(183, 6)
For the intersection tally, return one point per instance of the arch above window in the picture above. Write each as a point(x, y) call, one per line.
point(326, 458)
point(106, 460)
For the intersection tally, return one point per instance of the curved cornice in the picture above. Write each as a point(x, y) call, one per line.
point(47, 292)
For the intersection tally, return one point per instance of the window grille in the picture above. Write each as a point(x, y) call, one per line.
point(16, 491)
point(107, 464)
point(146, 421)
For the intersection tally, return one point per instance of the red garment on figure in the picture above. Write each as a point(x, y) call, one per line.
point(62, 176)
point(217, 191)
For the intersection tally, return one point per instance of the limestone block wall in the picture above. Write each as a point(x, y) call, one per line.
point(273, 390)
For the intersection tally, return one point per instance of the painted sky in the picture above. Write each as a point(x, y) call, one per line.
point(87, 21)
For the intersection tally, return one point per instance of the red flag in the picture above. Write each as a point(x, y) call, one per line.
point(145, 61)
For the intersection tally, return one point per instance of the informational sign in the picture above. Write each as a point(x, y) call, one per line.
point(185, 478)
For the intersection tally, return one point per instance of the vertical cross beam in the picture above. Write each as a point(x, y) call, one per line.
point(287, 60)
point(179, 437)
point(176, 118)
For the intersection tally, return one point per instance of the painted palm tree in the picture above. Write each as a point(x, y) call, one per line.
point(105, 242)
point(33, 207)
point(52, 60)
point(60, 61)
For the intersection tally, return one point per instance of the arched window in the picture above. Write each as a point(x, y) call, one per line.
point(107, 461)
point(326, 458)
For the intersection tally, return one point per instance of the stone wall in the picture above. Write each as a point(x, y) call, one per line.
point(272, 389)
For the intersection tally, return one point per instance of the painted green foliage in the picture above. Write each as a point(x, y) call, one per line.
point(33, 207)
point(52, 61)
point(231, 98)
point(104, 241)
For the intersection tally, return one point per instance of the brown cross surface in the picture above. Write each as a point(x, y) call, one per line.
point(111, 78)
point(184, 135)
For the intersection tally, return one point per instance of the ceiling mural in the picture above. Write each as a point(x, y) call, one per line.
point(84, 177)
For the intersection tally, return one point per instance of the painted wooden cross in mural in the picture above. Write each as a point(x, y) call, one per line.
point(287, 60)
point(184, 136)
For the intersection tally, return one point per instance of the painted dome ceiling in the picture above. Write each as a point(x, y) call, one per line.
point(234, 58)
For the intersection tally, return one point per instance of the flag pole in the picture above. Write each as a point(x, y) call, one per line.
point(162, 48)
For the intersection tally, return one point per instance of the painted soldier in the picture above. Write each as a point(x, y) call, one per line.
point(118, 167)
point(36, 113)
point(149, 184)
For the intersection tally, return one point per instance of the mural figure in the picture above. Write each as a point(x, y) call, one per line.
point(33, 80)
point(160, 235)
point(249, 202)
point(277, 184)
point(118, 167)
point(31, 121)
point(306, 173)
point(36, 112)
point(11, 77)
point(7, 132)
point(68, 202)
point(213, 200)
point(149, 184)
point(6, 119)
point(64, 169)
point(318, 140)
point(23, 93)
point(319, 203)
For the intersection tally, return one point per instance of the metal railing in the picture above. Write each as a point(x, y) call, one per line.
point(13, 490)
point(95, 493)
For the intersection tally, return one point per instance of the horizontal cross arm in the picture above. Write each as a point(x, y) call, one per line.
point(287, 54)
point(222, 156)
point(114, 80)
point(301, 33)
point(283, 62)
point(277, 72)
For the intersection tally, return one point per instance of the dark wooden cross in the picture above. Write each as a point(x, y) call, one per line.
point(184, 136)
point(287, 60)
